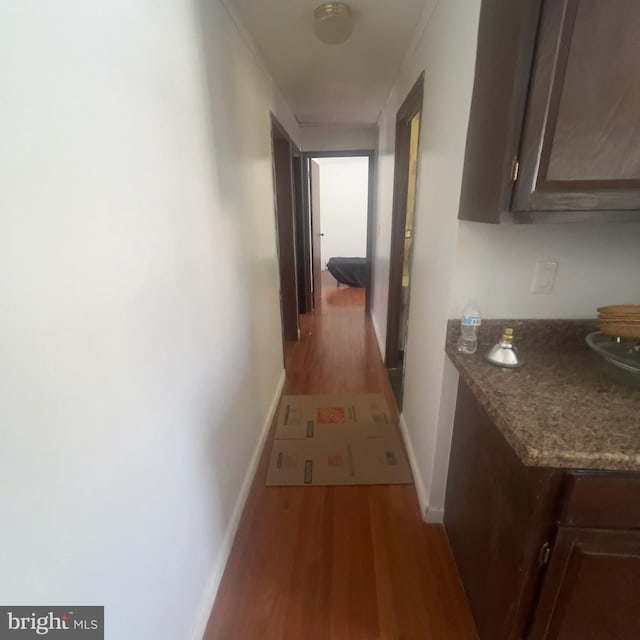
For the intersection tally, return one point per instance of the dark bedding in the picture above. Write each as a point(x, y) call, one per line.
point(349, 271)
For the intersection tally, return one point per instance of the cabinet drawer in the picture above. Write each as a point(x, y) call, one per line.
point(602, 500)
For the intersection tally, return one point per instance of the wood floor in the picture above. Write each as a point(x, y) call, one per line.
point(338, 563)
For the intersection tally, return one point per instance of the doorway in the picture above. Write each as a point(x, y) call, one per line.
point(298, 230)
point(402, 233)
point(334, 180)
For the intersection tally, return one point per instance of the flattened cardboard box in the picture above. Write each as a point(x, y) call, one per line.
point(338, 462)
point(332, 416)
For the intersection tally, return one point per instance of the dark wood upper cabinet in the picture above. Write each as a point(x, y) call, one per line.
point(581, 140)
point(554, 131)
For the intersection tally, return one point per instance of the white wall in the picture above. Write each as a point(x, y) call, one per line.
point(138, 304)
point(336, 138)
point(598, 264)
point(344, 193)
point(446, 52)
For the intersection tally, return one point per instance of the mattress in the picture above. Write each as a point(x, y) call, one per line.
point(349, 271)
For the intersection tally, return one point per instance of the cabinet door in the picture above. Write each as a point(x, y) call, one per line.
point(498, 513)
point(581, 142)
point(592, 587)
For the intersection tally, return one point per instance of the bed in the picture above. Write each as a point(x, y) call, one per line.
point(349, 271)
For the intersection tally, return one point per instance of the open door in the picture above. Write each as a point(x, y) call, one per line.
point(303, 248)
point(316, 235)
point(404, 194)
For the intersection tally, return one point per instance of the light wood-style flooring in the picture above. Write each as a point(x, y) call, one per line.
point(338, 563)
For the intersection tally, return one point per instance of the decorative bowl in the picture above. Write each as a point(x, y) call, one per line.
point(619, 357)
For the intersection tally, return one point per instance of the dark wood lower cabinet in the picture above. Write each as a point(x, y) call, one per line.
point(544, 554)
point(498, 515)
point(592, 587)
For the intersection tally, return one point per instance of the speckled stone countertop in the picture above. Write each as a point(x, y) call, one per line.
point(557, 410)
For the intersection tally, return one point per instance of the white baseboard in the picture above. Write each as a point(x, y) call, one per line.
point(215, 577)
point(421, 489)
point(376, 330)
point(434, 516)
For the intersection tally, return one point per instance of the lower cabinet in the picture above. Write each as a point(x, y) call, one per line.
point(542, 553)
point(592, 587)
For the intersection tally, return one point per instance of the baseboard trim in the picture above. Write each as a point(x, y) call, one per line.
point(215, 577)
point(421, 488)
point(434, 516)
point(376, 330)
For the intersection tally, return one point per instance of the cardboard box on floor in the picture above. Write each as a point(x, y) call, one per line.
point(338, 462)
point(331, 416)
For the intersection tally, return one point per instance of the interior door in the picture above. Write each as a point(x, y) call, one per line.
point(285, 225)
point(303, 248)
point(316, 235)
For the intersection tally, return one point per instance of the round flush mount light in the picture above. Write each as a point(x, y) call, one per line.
point(333, 22)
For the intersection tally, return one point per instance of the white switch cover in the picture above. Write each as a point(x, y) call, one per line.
point(544, 277)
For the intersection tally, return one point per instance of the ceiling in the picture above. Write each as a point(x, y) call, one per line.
point(344, 84)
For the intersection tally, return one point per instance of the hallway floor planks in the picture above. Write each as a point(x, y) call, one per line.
point(338, 563)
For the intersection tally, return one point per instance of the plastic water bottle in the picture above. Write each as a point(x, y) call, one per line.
point(468, 340)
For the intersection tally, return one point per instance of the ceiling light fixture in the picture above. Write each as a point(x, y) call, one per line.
point(333, 22)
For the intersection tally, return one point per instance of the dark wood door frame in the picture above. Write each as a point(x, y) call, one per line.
point(409, 108)
point(316, 231)
point(285, 228)
point(305, 303)
point(371, 155)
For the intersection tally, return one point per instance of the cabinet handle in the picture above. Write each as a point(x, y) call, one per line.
point(543, 556)
point(515, 169)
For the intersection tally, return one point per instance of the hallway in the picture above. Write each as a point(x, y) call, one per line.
point(337, 563)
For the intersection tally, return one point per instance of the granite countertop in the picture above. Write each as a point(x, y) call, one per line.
point(557, 410)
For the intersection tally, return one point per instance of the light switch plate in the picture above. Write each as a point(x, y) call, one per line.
point(544, 277)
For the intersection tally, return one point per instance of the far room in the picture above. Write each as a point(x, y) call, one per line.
point(343, 190)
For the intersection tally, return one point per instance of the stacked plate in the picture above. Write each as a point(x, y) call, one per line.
point(620, 320)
